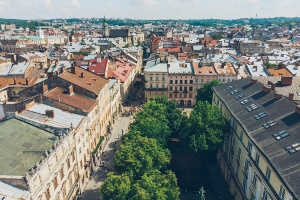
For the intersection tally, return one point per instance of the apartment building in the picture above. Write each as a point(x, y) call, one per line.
point(156, 80)
point(226, 72)
point(260, 156)
point(204, 73)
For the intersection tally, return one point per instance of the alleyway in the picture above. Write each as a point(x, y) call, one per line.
point(99, 175)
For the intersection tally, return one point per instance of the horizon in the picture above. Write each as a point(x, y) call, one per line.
point(148, 9)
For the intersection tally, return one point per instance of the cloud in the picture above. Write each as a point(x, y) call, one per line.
point(2, 5)
point(48, 3)
point(73, 4)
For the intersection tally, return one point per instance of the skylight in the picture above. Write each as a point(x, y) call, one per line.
point(234, 91)
point(260, 115)
point(293, 148)
point(245, 101)
point(251, 107)
point(269, 124)
point(281, 134)
point(239, 96)
point(230, 87)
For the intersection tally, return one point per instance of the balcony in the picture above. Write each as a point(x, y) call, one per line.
point(156, 89)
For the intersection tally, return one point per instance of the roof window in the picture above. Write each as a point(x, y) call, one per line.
point(239, 96)
point(251, 107)
point(281, 134)
point(260, 115)
point(293, 148)
point(269, 124)
point(230, 87)
point(245, 101)
point(234, 91)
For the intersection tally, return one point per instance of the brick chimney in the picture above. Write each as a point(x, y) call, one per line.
point(255, 67)
point(50, 113)
point(297, 109)
point(277, 95)
point(73, 70)
point(272, 84)
point(62, 69)
point(286, 80)
point(253, 80)
point(266, 88)
point(56, 63)
point(70, 90)
point(81, 74)
point(45, 88)
point(291, 96)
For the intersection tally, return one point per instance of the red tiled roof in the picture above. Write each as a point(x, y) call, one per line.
point(4, 81)
point(98, 68)
point(123, 69)
point(74, 100)
point(90, 81)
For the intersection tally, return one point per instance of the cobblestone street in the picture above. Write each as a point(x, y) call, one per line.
point(100, 172)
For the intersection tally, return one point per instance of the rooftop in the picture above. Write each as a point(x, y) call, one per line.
point(21, 146)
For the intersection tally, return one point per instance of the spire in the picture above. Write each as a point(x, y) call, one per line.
point(104, 22)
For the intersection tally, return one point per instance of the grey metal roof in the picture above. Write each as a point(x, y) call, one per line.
point(10, 192)
point(287, 165)
point(177, 69)
point(162, 67)
point(19, 68)
point(61, 118)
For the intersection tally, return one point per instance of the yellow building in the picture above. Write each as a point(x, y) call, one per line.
point(260, 158)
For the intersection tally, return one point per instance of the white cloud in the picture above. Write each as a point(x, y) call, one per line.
point(48, 3)
point(2, 5)
point(74, 4)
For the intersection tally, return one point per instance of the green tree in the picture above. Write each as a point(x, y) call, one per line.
point(205, 129)
point(201, 194)
point(71, 35)
point(205, 93)
point(141, 155)
point(115, 187)
point(155, 185)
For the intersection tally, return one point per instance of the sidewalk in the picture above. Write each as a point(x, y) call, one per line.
point(99, 175)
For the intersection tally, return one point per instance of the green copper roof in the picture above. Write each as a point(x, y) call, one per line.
point(27, 37)
point(21, 146)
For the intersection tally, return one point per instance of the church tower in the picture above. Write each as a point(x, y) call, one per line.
point(40, 32)
point(105, 27)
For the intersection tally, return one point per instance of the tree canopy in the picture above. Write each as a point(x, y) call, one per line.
point(205, 93)
point(205, 129)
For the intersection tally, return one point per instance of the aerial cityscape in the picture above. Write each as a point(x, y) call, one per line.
point(150, 100)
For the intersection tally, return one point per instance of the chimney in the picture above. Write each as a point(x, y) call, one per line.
point(70, 90)
point(272, 84)
point(253, 80)
point(62, 69)
point(72, 70)
point(255, 67)
point(45, 88)
point(81, 74)
point(297, 109)
point(266, 88)
point(286, 80)
point(277, 95)
point(50, 113)
point(56, 63)
point(98, 60)
point(291, 96)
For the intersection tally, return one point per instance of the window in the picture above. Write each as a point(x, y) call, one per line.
point(281, 193)
point(237, 169)
point(244, 183)
point(246, 165)
point(185, 88)
point(150, 85)
point(68, 163)
point(175, 88)
point(191, 88)
point(228, 80)
point(55, 182)
point(180, 95)
point(156, 93)
point(268, 173)
point(163, 78)
point(254, 180)
point(156, 86)
point(257, 159)
point(239, 154)
point(180, 88)
point(150, 78)
point(190, 95)
point(175, 95)
point(249, 147)
point(157, 78)
point(265, 195)
point(252, 196)
point(171, 81)
point(201, 80)
point(62, 173)
point(241, 136)
point(150, 92)
point(196, 80)
point(191, 81)
point(48, 193)
point(176, 82)
point(163, 85)
point(208, 80)
point(185, 81)
point(170, 95)
point(171, 88)
point(162, 93)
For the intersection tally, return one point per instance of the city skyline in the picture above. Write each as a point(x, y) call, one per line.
point(148, 9)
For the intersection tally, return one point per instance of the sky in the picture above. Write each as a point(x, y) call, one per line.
point(148, 9)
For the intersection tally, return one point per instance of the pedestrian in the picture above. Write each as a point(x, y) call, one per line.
point(122, 131)
point(115, 149)
point(115, 142)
